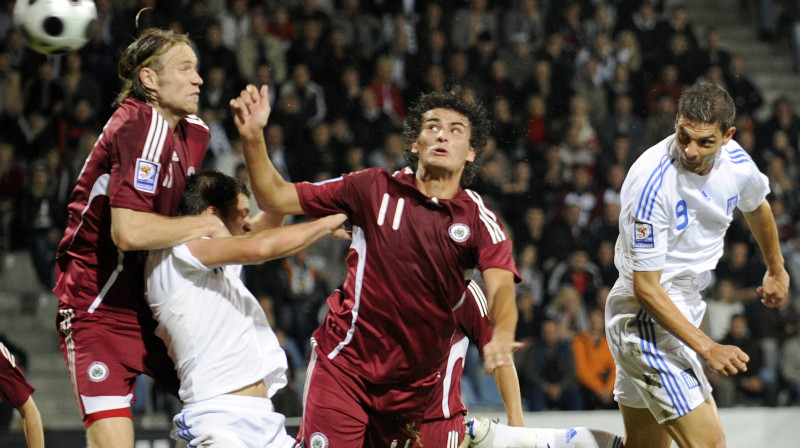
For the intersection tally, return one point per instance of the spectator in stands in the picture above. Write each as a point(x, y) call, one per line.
point(790, 363)
point(744, 92)
point(547, 374)
point(371, 123)
point(569, 311)
point(722, 304)
point(309, 48)
point(594, 364)
point(261, 47)
point(622, 121)
point(387, 92)
point(749, 388)
point(235, 23)
point(12, 181)
point(470, 21)
point(524, 18)
point(661, 122)
point(668, 84)
point(784, 118)
point(11, 98)
point(578, 271)
point(713, 53)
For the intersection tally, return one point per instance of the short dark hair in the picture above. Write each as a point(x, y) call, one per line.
point(455, 100)
point(145, 51)
point(708, 103)
point(211, 188)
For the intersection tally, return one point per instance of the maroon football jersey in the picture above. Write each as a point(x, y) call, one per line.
point(138, 163)
point(408, 266)
point(473, 326)
point(14, 388)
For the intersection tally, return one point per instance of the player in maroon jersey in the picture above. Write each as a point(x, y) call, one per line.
point(15, 390)
point(125, 202)
point(417, 238)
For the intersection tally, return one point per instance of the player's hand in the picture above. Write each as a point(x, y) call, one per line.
point(774, 291)
point(251, 110)
point(727, 359)
point(498, 352)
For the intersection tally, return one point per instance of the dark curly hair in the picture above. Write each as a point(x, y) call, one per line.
point(145, 51)
point(455, 100)
point(708, 103)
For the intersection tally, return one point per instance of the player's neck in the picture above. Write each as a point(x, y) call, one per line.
point(172, 119)
point(440, 187)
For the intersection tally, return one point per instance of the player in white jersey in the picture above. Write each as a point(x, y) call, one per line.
point(227, 357)
point(678, 200)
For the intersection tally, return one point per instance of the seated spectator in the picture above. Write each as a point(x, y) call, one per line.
point(746, 387)
point(547, 374)
point(568, 310)
point(722, 305)
point(594, 364)
point(790, 364)
point(577, 270)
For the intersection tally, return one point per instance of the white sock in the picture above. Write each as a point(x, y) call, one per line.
point(518, 437)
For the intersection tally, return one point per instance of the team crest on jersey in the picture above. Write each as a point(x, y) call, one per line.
point(146, 175)
point(459, 232)
point(318, 440)
point(643, 235)
point(97, 371)
point(732, 203)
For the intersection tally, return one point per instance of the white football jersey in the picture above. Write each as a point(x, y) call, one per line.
point(216, 331)
point(675, 220)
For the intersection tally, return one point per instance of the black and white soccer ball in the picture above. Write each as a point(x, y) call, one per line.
point(55, 26)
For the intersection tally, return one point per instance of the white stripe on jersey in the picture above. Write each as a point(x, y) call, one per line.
point(156, 135)
point(458, 351)
point(398, 213)
point(194, 119)
point(66, 328)
point(739, 155)
point(359, 244)
point(111, 279)
point(100, 187)
point(384, 206)
point(650, 191)
point(480, 298)
point(488, 218)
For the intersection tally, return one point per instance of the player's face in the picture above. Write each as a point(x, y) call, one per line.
point(699, 144)
point(238, 219)
point(443, 142)
point(178, 85)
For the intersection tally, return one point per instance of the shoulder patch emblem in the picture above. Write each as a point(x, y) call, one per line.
point(643, 235)
point(459, 232)
point(146, 175)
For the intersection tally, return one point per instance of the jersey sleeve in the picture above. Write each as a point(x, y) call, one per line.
point(14, 388)
point(337, 195)
point(473, 316)
point(649, 229)
point(754, 192)
point(494, 245)
point(135, 151)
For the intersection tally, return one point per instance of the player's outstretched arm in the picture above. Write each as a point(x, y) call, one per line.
point(774, 290)
point(32, 423)
point(258, 247)
point(273, 194)
point(137, 230)
point(724, 359)
point(500, 294)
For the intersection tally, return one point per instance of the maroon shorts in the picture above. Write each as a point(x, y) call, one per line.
point(105, 352)
point(446, 432)
point(345, 411)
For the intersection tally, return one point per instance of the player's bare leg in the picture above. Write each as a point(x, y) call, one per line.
point(642, 430)
point(114, 432)
point(700, 428)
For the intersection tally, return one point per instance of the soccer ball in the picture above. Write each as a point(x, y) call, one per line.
point(55, 26)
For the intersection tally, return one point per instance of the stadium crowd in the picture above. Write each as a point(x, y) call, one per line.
point(577, 89)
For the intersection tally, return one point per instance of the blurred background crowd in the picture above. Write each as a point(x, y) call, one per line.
point(576, 90)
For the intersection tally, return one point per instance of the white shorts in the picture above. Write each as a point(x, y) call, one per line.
point(656, 370)
point(231, 421)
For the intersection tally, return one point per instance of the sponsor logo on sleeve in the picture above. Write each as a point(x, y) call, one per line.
point(146, 175)
point(643, 235)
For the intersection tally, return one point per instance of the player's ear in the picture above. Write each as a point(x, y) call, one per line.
point(414, 148)
point(148, 77)
point(728, 135)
